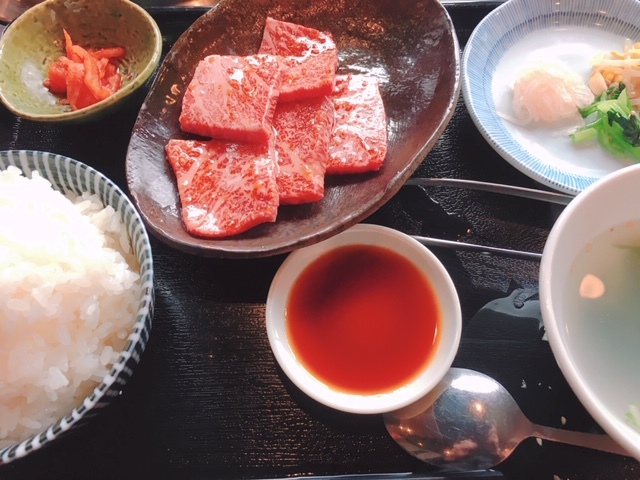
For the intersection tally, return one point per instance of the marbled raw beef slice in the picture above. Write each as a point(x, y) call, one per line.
point(359, 139)
point(225, 188)
point(309, 59)
point(232, 98)
point(303, 130)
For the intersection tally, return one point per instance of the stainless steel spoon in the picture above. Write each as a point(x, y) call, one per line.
point(471, 422)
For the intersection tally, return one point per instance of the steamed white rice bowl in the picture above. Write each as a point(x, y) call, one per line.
point(69, 290)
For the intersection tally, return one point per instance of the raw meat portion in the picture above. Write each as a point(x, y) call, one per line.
point(225, 188)
point(359, 139)
point(232, 98)
point(309, 59)
point(303, 130)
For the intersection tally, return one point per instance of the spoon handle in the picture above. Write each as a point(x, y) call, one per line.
point(595, 441)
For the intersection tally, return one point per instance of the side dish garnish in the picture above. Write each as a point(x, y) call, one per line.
point(547, 92)
point(618, 67)
point(613, 122)
point(83, 77)
point(602, 110)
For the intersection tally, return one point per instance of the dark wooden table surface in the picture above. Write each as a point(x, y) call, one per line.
point(208, 399)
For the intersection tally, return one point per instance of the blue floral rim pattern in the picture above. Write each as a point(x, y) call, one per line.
point(505, 26)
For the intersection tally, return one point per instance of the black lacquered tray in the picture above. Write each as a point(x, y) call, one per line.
point(208, 400)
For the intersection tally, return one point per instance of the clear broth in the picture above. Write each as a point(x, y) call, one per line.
point(602, 306)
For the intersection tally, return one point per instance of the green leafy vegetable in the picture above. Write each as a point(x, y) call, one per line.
point(612, 121)
point(612, 93)
point(633, 416)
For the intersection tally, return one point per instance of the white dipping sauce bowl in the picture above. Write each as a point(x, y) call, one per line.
point(450, 325)
point(600, 357)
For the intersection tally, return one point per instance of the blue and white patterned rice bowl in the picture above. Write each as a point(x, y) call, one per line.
point(522, 31)
point(70, 176)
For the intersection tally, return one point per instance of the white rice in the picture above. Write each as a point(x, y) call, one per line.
point(69, 297)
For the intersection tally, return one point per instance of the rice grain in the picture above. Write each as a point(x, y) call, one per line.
point(69, 284)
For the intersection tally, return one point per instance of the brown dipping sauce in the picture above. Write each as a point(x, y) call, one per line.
point(363, 319)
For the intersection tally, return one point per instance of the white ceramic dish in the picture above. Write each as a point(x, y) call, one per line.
point(598, 353)
point(450, 325)
point(523, 31)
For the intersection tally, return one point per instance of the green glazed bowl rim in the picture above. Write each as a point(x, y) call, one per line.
point(92, 110)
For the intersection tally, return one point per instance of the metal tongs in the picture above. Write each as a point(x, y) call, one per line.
point(534, 194)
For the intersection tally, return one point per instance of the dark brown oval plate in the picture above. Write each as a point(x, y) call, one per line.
point(409, 45)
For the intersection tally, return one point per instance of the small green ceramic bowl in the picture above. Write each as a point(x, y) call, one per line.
point(35, 39)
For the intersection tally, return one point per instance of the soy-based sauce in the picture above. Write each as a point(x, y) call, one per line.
point(363, 319)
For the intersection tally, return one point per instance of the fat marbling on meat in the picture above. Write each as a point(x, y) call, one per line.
point(225, 188)
point(303, 130)
point(359, 139)
point(232, 98)
point(309, 59)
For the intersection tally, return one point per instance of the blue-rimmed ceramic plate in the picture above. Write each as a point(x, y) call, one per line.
point(71, 176)
point(518, 33)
